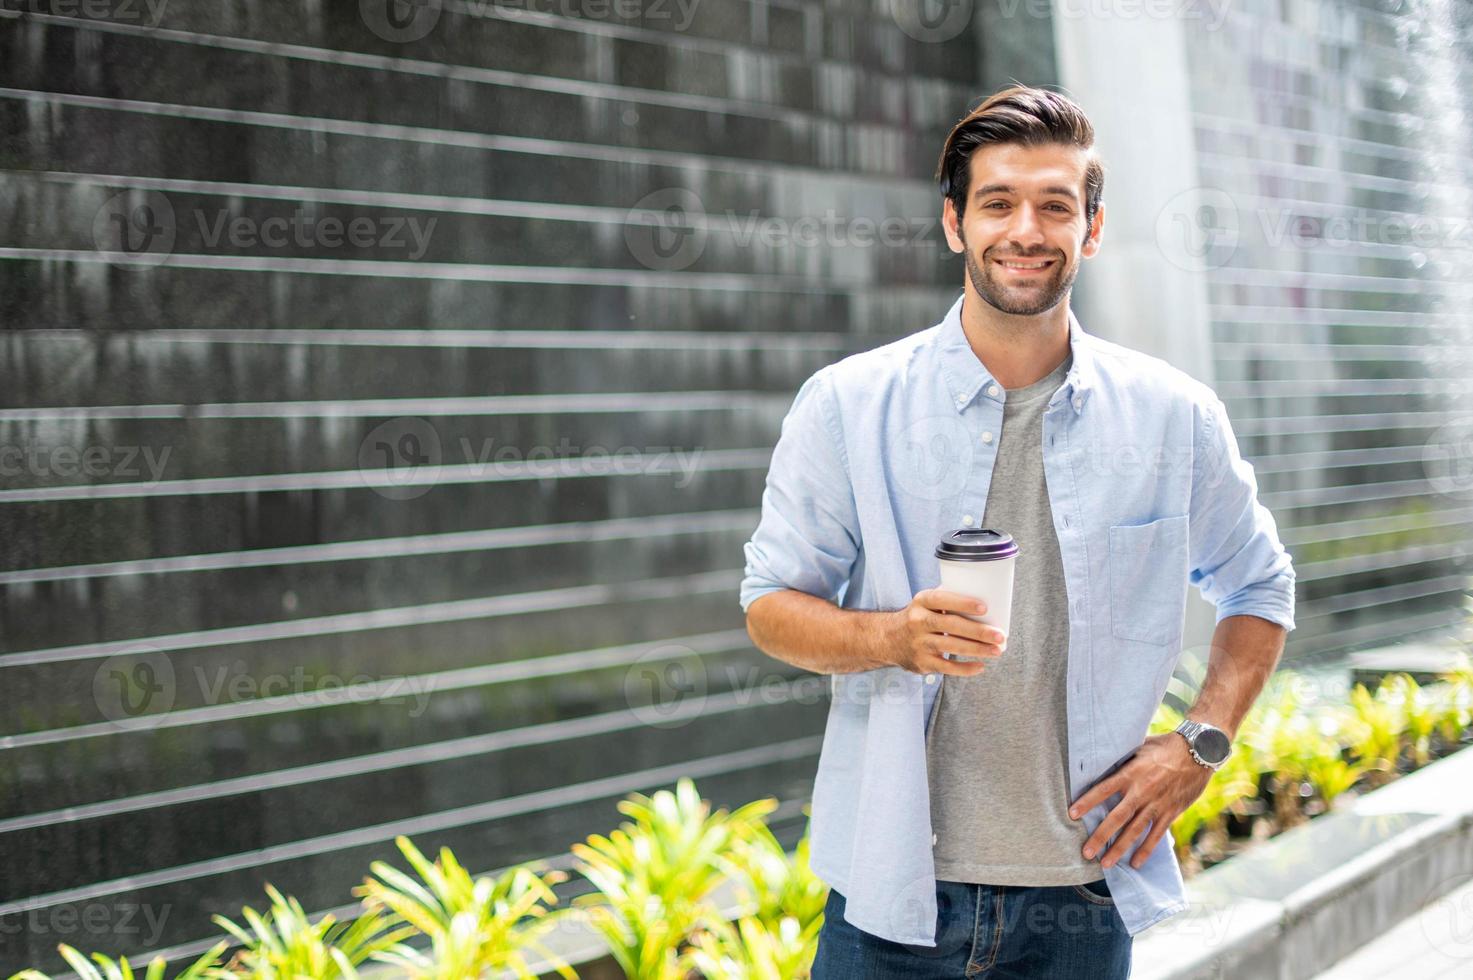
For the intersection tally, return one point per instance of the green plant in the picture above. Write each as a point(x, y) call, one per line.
point(1419, 712)
point(1453, 702)
point(475, 925)
point(752, 950)
point(108, 969)
point(1330, 773)
point(655, 875)
point(1376, 737)
point(284, 944)
point(1283, 740)
point(771, 885)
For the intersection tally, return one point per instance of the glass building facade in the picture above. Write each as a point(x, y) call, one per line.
point(1340, 327)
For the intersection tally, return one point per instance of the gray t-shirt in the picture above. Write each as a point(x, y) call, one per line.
point(996, 747)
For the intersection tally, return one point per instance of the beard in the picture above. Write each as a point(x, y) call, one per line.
point(1028, 298)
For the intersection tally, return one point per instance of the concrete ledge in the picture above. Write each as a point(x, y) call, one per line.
point(1297, 904)
point(1425, 662)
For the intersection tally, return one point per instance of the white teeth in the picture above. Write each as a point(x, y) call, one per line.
point(1019, 265)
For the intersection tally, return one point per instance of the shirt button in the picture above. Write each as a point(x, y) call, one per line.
point(933, 840)
point(930, 678)
point(992, 390)
point(1079, 403)
point(987, 437)
point(967, 520)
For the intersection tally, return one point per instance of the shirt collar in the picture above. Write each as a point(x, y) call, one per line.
point(966, 375)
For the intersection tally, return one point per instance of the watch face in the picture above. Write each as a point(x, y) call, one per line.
point(1212, 745)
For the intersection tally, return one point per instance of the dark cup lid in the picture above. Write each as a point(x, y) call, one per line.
point(976, 544)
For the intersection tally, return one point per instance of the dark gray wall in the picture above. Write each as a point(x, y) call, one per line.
point(205, 431)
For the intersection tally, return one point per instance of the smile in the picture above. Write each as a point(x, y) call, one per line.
point(1037, 266)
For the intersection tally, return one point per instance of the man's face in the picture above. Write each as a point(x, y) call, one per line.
point(1023, 230)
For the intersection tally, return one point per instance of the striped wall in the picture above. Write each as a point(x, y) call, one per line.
point(387, 394)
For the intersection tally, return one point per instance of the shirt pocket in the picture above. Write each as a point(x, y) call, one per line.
point(1148, 578)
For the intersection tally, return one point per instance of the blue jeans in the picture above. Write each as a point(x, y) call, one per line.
point(1056, 932)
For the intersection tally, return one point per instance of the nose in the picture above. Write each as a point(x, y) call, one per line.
point(1025, 230)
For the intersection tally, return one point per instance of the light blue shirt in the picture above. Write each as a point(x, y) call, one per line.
point(884, 451)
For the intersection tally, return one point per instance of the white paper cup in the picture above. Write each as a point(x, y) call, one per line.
point(979, 562)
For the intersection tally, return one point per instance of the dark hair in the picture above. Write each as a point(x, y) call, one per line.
point(1026, 115)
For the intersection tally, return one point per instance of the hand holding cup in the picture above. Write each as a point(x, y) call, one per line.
point(935, 624)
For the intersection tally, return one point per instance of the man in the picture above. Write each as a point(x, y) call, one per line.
point(1007, 814)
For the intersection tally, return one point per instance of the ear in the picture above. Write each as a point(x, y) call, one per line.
point(949, 225)
point(1091, 245)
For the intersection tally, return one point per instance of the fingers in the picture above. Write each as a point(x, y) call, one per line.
point(938, 623)
point(934, 663)
point(952, 625)
point(1158, 830)
point(1114, 821)
point(1095, 795)
point(940, 600)
point(1138, 826)
point(958, 646)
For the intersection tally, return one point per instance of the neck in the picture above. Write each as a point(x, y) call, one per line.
point(1016, 350)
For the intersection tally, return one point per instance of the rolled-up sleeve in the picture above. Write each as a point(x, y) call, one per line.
point(1237, 560)
point(808, 535)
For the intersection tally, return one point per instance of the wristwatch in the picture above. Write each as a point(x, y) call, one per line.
point(1210, 745)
